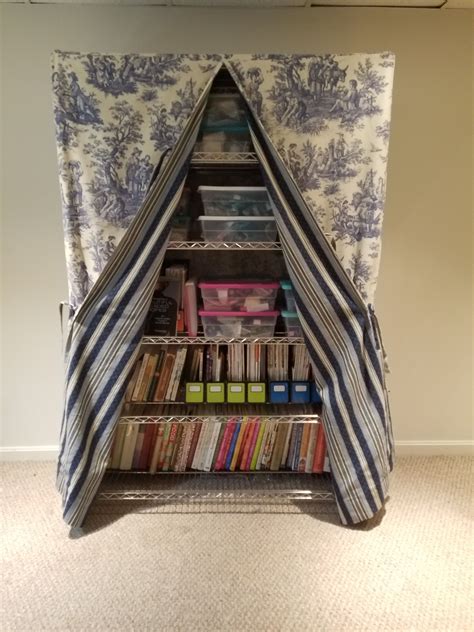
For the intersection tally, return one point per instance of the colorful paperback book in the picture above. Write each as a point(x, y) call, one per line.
point(320, 452)
point(238, 445)
point(253, 444)
point(129, 447)
point(194, 442)
point(311, 448)
point(268, 428)
point(224, 446)
point(209, 457)
point(138, 384)
point(233, 444)
point(138, 448)
point(117, 449)
point(304, 447)
point(261, 432)
point(296, 456)
point(170, 447)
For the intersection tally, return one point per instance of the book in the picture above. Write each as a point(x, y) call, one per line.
point(268, 427)
point(291, 447)
point(178, 448)
point(233, 443)
point(120, 432)
point(186, 439)
point(170, 446)
point(156, 449)
point(165, 376)
point(219, 441)
point(159, 365)
point(224, 446)
point(147, 377)
point(164, 446)
point(213, 438)
point(132, 381)
point(194, 442)
point(130, 440)
point(261, 432)
point(237, 449)
point(304, 447)
point(281, 433)
point(148, 442)
point(319, 452)
point(190, 307)
point(176, 380)
point(246, 445)
point(138, 384)
point(163, 313)
point(252, 446)
point(296, 455)
point(311, 448)
point(286, 447)
point(138, 448)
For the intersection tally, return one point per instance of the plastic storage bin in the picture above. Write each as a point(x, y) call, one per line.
point(292, 324)
point(227, 141)
point(279, 393)
point(194, 392)
point(224, 109)
point(287, 287)
point(241, 296)
point(300, 392)
point(235, 392)
point(238, 324)
point(215, 392)
point(236, 201)
point(256, 392)
point(222, 228)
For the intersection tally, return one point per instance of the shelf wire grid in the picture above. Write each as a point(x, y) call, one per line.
point(203, 340)
point(224, 245)
point(215, 492)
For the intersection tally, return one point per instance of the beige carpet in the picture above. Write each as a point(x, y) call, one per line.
point(239, 572)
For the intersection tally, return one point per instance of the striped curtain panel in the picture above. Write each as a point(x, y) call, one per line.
point(111, 287)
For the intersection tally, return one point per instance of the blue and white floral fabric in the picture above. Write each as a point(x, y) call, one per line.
point(329, 118)
point(115, 116)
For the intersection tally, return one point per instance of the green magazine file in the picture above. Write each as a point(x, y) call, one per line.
point(236, 393)
point(195, 392)
point(215, 392)
point(256, 392)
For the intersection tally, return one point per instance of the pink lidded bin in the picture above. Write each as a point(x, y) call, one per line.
point(238, 324)
point(238, 296)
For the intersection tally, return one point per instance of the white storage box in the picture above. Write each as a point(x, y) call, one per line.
point(238, 324)
point(236, 201)
point(223, 228)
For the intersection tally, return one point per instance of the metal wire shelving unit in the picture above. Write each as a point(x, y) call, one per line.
point(204, 340)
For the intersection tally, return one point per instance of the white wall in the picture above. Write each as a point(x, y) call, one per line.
point(424, 297)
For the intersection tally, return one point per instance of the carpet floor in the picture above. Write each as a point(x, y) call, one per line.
point(410, 571)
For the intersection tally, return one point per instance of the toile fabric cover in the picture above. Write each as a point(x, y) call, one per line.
point(320, 126)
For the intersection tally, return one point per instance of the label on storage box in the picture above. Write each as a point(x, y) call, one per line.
point(301, 388)
point(279, 388)
point(215, 389)
point(235, 389)
point(256, 389)
point(194, 389)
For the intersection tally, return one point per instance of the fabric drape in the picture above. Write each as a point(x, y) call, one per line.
point(320, 128)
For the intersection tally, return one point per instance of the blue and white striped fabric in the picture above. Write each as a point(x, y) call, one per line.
point(344, 345)
point(104, 336)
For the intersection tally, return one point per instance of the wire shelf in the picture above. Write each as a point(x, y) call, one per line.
point(224, 245)
point(203, 488)
point(173, 412)
point(224, 158)
point(203, 340)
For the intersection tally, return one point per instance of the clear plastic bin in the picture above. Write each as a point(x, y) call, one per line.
point(224, 109)
point(289, 296)
point(236, 201)
point(241, 296)
point(238, 324)
point(227, 141)
point(292, 324)
point(221, 228)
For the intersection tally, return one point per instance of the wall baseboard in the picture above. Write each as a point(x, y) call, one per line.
point(29, 453)
point(434, 448)
point(402, 448)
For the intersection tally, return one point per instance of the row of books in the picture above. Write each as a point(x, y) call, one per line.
point(161, 376)
point(240, 444)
